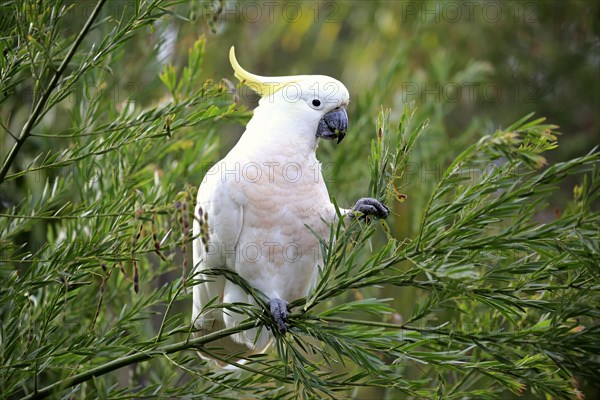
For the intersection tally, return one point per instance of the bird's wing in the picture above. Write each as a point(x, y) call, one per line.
point(218, 201)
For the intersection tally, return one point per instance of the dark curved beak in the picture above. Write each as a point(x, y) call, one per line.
point(333, 125)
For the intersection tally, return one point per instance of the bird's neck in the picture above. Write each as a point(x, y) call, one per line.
point(274, 136)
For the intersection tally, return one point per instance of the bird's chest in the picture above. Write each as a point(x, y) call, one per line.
point(278, 253)
point(282, 205)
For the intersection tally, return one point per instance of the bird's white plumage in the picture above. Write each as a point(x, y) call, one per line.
point(260, 199)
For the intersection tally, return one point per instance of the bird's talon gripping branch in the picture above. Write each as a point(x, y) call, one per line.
point(280, 311)
point(370, 206)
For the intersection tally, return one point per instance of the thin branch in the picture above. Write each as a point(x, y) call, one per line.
point(491, 336)
point(245, 367)
point(8, 130)
point(72, 160)
point(61, 217)
point(35, 114)
point(141, 355)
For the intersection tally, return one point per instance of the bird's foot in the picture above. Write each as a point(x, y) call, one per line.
point(371, 206)
point(279, 310)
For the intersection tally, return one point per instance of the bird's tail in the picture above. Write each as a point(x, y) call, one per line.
point(226, 352)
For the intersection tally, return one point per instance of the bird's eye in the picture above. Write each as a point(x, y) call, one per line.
point(316, 103)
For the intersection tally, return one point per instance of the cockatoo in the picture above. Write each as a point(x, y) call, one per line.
point(259, 200)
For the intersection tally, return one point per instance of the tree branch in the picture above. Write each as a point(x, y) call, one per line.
point(35, 114)
point(141, 355)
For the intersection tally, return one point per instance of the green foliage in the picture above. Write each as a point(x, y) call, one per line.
point(97, 200)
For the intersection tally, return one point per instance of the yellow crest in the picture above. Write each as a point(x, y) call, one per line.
point(262, 85)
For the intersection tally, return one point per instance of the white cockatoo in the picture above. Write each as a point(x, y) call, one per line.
point(259, 200)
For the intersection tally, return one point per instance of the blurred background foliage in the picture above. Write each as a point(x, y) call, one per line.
point(468, 67)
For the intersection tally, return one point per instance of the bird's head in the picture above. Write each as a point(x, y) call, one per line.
point(318, 100)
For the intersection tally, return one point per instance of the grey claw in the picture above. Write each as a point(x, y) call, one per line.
point(279, 310)
point(371, 206)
